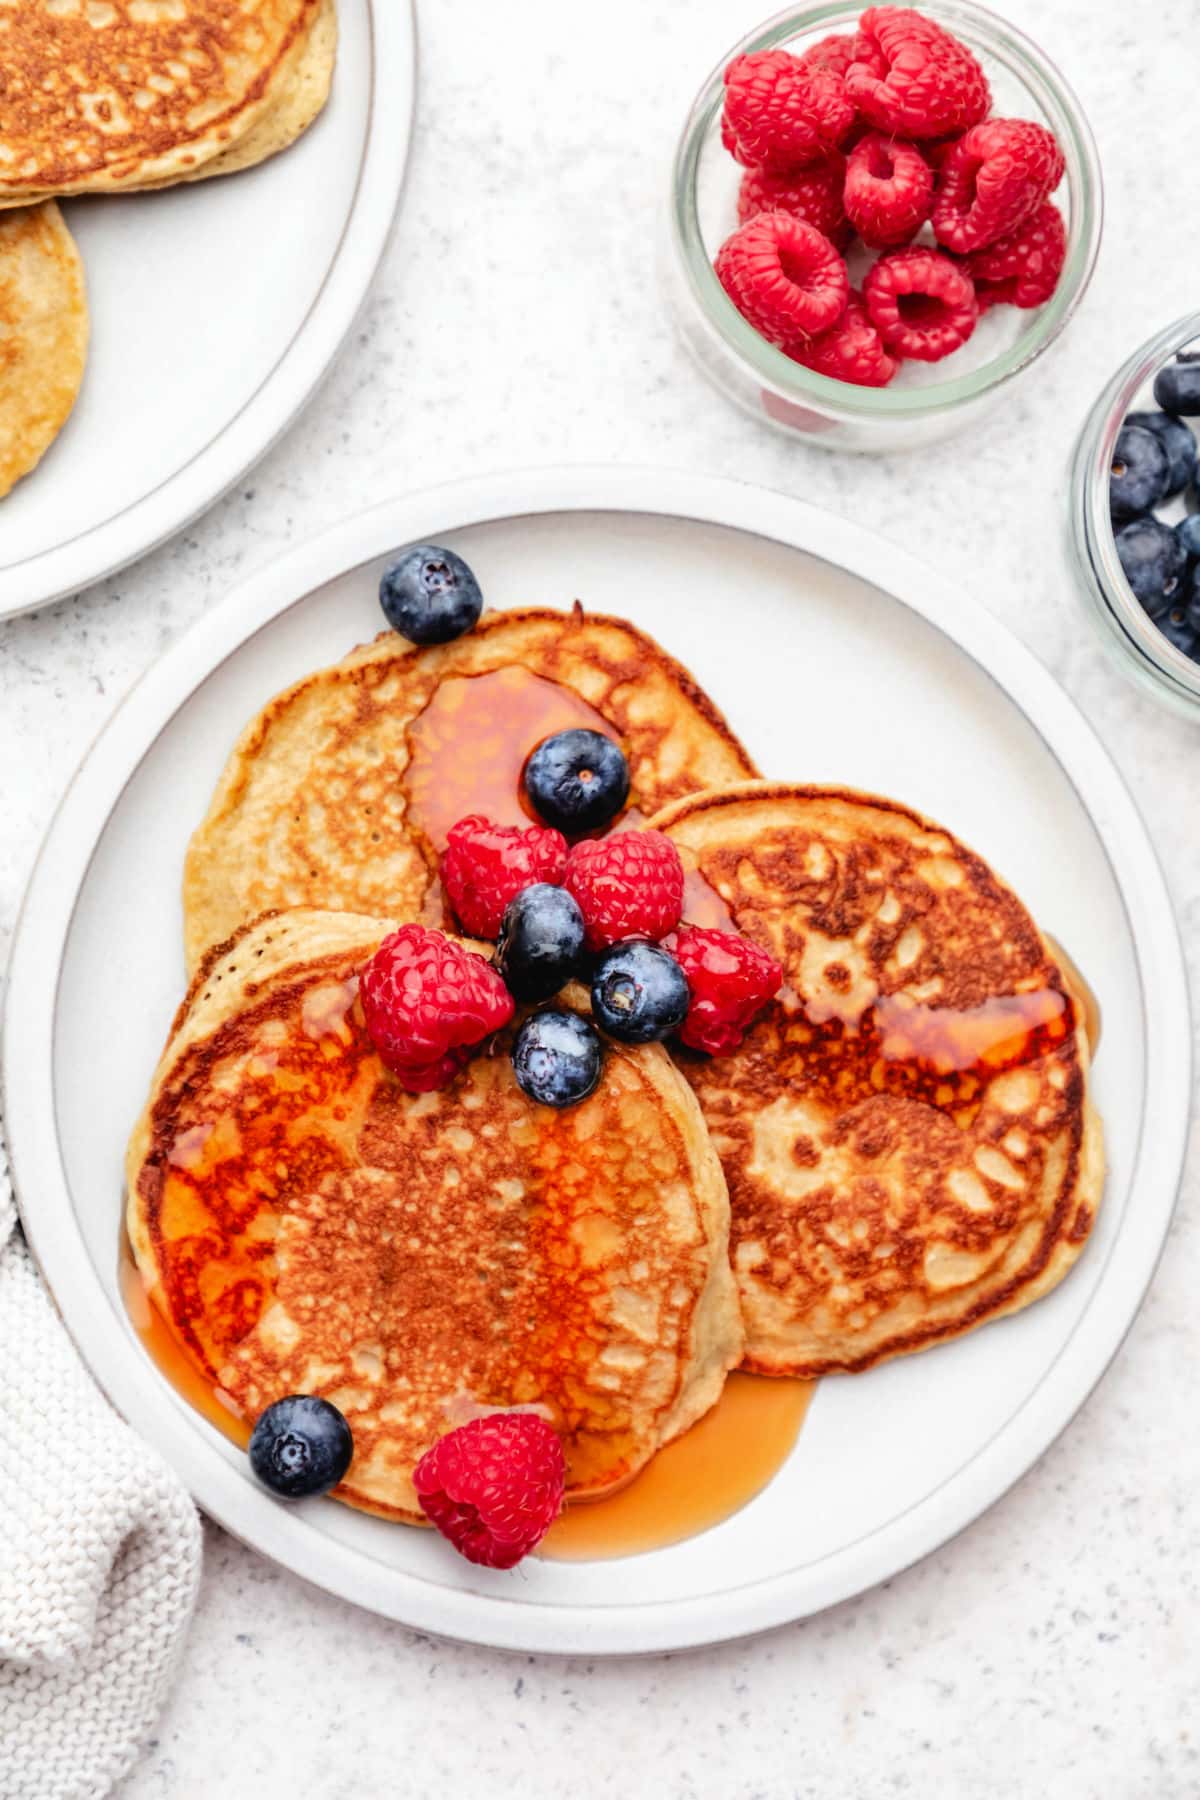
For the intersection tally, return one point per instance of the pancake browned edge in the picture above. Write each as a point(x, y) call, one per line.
point(315, 806)
point(305, 1226)
point(886, 1196)
point(122, 96)
point(43, 335)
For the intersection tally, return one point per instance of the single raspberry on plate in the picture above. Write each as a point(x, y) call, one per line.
point(780, 113)
point(851, 351)
point(911, 77)
point(486, 865)
point(992, 180)
point(832, 54)
point(785, 278)
point(888, 190)
point(428, 1002)
point(494, 1486)
point(1022, 270)
point(921, 302)
point(813, 194)
point(730, 980)
point(629, 885)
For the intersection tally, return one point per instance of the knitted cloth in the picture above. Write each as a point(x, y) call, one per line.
point(99, 1557)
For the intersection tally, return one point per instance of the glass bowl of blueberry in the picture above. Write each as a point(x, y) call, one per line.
point(1135, 514)
point(879, 218)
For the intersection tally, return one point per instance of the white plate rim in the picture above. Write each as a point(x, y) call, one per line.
point(141, 1395)
point(149, 521)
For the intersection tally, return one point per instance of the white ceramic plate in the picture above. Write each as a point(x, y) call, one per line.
point(216, 309)
point(836, 657)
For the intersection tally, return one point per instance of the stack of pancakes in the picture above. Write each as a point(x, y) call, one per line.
point(903, 1148)
point(120, 96)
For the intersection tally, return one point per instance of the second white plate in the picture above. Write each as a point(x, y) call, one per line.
point(837, 658)
point(216, 309)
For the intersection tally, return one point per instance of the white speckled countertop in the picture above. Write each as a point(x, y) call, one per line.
point(1052, 1648)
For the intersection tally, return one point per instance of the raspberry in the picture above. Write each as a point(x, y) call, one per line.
point(494, 1486)
point(629, 885)
point(992, 180)
point(784, 277)
point(888, 191)
point(730, 979)
point(912, 78)
point(428, 1002)
point(833, 54)
point(485, 865)
point(851, 351)
point(921, 303)
point(780, 113)
point(1022, 270)
point(813, 194)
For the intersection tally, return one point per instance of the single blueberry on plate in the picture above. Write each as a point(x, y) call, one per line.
point(1188, 533)
point(639, 992)
point(1177, 628)
point(1177, 384)
point(556, 1057)
point(1138, 477)
point(540, 946)
point(1154, 563)
point(300, 1446)
point(577, 780)
point(429, 595)
point(1176, 439)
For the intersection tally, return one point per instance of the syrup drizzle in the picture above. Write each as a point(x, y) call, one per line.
point(705, 1476)
point(168, 1355)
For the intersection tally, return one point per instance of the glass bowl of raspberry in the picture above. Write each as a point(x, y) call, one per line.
point(879, 218)
point(1134, 503)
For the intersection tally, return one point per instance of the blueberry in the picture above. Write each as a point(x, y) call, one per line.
point(1188, 533)
point(639, 992)
point(556, 1057)
point(1178, 629)
point(1192, 602)
point(540, 946)
point(1154, 563)
point(577, 780)
point(300, 1446)
point(429, 595)
point(1177, 387)
point(1176, 439)
point(1138, 477)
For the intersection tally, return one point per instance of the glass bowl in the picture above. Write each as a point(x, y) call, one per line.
point(1129, 634)
point(925, 401)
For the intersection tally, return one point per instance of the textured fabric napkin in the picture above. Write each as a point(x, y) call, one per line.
point(99, 1557)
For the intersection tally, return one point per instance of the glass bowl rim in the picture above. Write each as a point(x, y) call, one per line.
point(790, 379)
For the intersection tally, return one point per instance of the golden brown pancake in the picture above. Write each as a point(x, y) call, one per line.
point(305, 1226)
point(339, 794)
point(106, 95)
point(43, 335)
point(907, 1131)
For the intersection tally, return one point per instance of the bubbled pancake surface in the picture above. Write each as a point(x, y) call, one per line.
point(305, 1226)
point(884, 1199)
point(106, 95)
point(315, 806)
point(43, 335)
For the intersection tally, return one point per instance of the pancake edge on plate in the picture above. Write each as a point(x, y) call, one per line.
point(768, 1320)
point(43, 335)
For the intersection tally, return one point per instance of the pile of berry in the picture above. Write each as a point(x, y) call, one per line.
point(1154, 462)
point(605, 911)
point(876, 136)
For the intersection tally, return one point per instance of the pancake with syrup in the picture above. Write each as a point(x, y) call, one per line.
point(341, 792)
point(907, 1131)
point(305, 1226)
point(115, 95)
